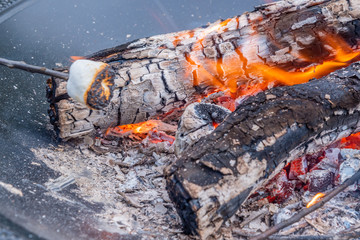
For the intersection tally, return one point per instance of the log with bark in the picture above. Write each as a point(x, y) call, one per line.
point(216, 175)
point(159, 75)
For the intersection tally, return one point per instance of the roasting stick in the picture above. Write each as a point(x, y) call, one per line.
point(306, 211)
point(89, 82)
point(32, 68)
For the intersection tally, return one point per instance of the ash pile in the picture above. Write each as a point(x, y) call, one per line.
point(131, 186)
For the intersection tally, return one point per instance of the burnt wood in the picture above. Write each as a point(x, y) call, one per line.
point(216, 175)
point(158, 74)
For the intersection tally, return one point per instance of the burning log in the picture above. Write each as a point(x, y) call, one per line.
point(282, 43)
point(217, 174)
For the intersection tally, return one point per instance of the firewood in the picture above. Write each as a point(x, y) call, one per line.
point(164, 73)
point(217, 174)
point(198, 119)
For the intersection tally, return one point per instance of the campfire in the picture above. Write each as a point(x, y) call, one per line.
point(258, 115)
point(232, 89)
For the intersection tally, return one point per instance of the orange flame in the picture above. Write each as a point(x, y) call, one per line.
point(239, 76)
point(315, 199)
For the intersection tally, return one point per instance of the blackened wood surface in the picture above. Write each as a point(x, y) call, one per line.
point(213, 177)
point(156, 75)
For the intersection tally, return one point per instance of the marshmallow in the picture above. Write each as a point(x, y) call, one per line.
point(91, 83)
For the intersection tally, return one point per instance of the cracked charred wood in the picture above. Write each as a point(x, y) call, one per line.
point(216, 175)
point(160, 74)
point(198, 119)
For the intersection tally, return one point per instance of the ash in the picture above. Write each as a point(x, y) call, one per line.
point(338, 217)
point(131, 187)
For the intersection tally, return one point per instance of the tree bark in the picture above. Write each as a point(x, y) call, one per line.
point(217, 174)
point(158, 74)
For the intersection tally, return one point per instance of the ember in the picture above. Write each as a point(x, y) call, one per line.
point(149, 132)
point(311, 173)
point(136, 128)
point(352, 141)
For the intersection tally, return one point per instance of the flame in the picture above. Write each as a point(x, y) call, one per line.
point(239, 77)
point(242, 77)
point(315, 199)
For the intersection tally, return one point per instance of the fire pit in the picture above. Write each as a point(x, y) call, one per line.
point(248, 136)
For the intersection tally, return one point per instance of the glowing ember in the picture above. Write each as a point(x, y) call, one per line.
point(315, 199)
point(215, 124)
point(149, 132)
point(352, 141)
point(157, 137)
point(136, 128)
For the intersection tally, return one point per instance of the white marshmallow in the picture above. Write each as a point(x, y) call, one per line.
point(81, 77)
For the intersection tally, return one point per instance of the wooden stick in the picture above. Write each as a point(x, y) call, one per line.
point(306, 211)
point(33, 69)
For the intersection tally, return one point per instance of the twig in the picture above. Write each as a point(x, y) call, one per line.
point(33, 69)
point(306, 211)
point(129, 200)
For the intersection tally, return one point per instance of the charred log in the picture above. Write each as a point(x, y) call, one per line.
point(198, 119)
point(216, 175)
point(160, 74)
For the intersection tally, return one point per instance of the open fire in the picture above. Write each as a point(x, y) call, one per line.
point(244, 69)
point(238, 78)
point(251, 136)
point(235, 79)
